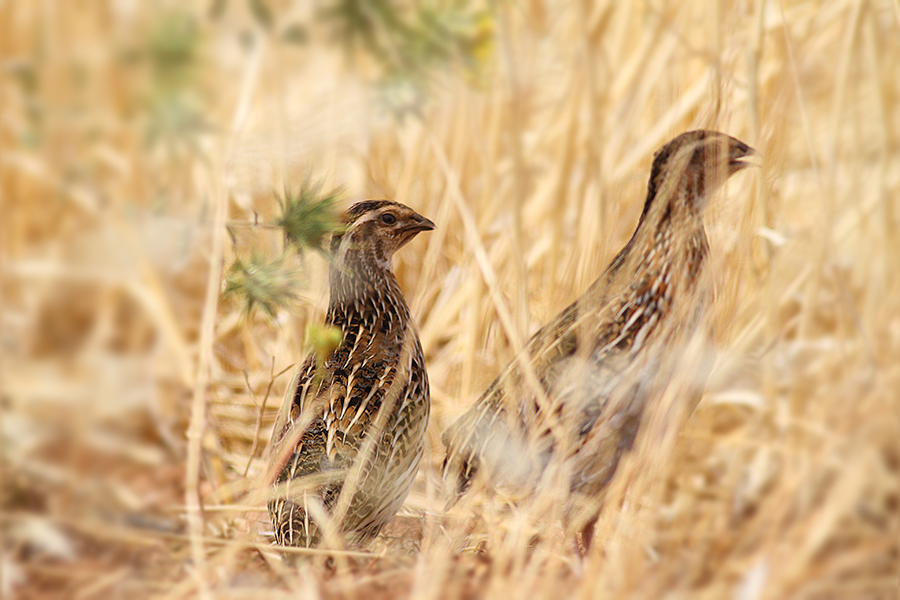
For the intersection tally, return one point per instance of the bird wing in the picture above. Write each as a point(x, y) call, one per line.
point(516, 425)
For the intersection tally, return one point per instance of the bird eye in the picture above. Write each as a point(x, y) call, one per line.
point(388, 219)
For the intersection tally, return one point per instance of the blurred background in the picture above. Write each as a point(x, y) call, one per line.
point(168, 171)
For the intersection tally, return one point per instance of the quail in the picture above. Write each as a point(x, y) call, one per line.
point(348, 442)
point(576, 397)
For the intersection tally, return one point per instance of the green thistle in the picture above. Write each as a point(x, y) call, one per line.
point(258, 282)
point(308, 217)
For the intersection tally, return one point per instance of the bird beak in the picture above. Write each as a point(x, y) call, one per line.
point(743, 156)
point(419, 223)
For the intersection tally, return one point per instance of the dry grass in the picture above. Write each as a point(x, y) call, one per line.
point(130, 393)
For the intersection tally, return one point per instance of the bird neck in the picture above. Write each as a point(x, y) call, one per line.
point(358, 285)
point(355, 275)
point(670, 231)
point(676, 192)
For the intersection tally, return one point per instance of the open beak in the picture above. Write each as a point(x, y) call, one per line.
point(743, 156)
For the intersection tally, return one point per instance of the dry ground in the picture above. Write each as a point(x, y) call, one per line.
point(130, 391)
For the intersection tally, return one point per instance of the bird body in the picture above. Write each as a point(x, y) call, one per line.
point(348, 443)
point(575, 399)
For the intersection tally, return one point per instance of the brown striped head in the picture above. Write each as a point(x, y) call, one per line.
point(373, 230)
point(692, 166)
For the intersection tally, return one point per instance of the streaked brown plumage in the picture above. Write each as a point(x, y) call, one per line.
point(356, 423)
point(575, 401)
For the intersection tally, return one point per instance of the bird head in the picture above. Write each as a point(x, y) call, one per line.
point(693, 165)
point(373, 230)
